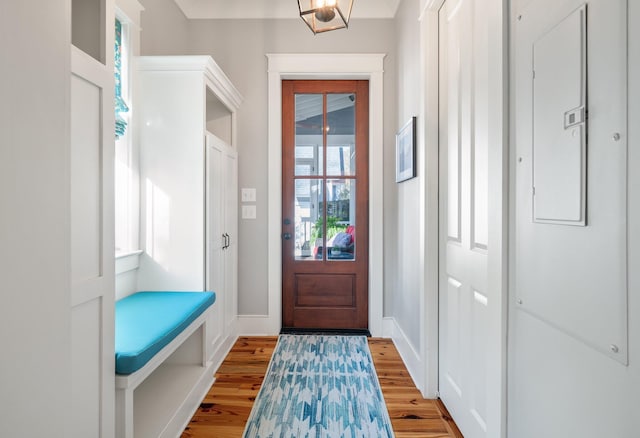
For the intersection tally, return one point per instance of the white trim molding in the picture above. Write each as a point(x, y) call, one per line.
point(429, 200)
point(130, 9)
point(128, 261)
point(255, 325)
point(412, 359)
point(326, 66)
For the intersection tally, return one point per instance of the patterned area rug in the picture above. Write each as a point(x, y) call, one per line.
point(320, 386)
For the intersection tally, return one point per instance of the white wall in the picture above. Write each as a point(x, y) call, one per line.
point(34, 220)
point(239, 47)
point(164, 28)
point(404, 266)
point(560, 386)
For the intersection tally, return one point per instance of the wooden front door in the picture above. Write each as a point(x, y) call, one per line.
point(325, 198)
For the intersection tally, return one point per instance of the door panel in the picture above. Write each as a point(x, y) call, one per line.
point(320, 290)
point(222, 241)
point(325, 204)
point(230, 223)
point(215, 240)
point(463, 297)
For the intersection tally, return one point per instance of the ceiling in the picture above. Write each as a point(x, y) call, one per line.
point(238, 9)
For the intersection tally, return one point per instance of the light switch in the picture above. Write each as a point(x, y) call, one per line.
point(248, 195)
point(248, 212)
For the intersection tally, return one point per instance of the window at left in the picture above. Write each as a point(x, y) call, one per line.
point(121, 70)
point(126, 178)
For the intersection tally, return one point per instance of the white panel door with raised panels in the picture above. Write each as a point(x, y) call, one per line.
point(464, 298)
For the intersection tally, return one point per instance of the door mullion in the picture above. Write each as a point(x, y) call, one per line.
point(323, 176)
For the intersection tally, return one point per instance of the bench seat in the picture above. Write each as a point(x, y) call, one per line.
point(162, 365)
point(148, 321)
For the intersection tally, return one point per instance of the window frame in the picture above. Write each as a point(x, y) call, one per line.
point(126, 171)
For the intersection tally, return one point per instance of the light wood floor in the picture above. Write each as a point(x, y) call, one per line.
point(226, 408)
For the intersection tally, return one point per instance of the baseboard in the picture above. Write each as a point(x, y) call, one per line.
point(221, 351)
point(257, 325)
point(411, 358)
point(388, 324)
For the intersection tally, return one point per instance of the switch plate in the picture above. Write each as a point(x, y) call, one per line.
point(248, 212)
point(248, 195)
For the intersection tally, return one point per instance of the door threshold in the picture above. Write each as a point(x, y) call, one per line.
point(324, 331)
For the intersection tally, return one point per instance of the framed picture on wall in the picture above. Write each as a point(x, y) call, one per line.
point(406, 151)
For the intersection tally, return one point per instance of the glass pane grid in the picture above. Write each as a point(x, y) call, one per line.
point(325, 193)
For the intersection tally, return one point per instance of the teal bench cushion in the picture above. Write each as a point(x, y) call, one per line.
point(147, 321)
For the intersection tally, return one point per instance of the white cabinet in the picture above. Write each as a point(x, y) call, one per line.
point(188, 195)
point(222, 226)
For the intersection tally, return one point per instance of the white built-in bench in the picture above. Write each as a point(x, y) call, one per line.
point(162, 371)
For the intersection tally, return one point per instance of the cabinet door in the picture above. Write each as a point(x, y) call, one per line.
point(215, 240)
point(222, 239)
point(230, 187)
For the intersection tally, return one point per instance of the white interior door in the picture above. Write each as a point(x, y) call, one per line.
point(469, 309)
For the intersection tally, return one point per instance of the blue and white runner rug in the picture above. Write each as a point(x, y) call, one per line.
point(320, 387)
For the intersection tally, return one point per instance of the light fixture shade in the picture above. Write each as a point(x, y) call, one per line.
point(325, 15)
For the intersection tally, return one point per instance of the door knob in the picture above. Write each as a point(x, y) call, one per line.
point(286, 236)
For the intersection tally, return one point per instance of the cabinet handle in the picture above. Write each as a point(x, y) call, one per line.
point(224, 245)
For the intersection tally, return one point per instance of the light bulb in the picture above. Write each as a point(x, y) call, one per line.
point(325, 12)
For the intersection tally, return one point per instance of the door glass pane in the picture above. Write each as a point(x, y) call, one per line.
point(341, 138)
point(341, 219)
point(308, 235)
point(309, 134)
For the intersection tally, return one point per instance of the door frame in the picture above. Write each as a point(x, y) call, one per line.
point(323, 66)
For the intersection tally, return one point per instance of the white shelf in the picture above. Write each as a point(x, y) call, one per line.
point(172, 392)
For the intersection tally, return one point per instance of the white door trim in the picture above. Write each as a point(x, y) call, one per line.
point(324, 66)
point(429, 194)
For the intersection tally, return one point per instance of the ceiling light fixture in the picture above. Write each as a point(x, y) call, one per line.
point(325, 15)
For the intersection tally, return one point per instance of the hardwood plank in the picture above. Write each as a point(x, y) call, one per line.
point(226, 408)
point(448, 419)
point(411, 415)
